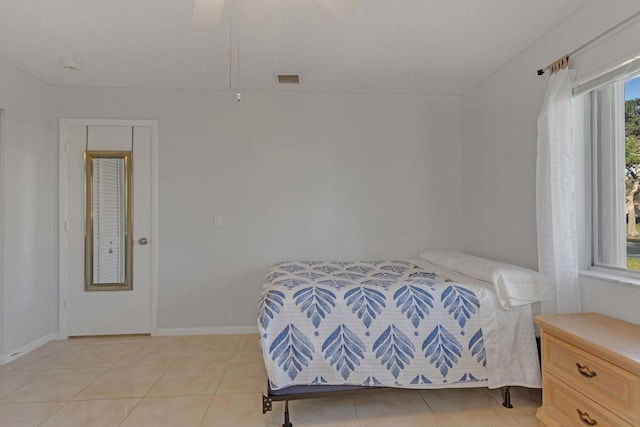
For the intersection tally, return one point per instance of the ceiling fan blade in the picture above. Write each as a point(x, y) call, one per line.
point(339, 8)
point(207, 13)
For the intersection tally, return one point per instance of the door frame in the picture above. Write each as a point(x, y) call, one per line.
point(63, 224)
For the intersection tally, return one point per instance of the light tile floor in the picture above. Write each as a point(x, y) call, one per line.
point(212, 381)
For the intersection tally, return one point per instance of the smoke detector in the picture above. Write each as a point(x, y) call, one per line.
point(71, 64)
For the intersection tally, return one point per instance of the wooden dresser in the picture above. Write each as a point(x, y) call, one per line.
point(590, 371)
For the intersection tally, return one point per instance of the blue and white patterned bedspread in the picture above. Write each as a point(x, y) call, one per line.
point(387, 323)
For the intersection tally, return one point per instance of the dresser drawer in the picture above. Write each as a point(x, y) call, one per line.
point(606, 383)
point(571, 409)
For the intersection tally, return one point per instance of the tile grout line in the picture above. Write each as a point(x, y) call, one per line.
point(228, 363)
point(131, 411)
point(83, 347)
point(147, 392)
point(99, 376)
point(95, 379)
point(204, 414)
point(2, 400)
point(173, 363)
point(54, 412)
point(179, 348)
point(355, 406)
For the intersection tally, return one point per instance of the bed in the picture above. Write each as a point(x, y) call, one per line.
point(444, 320)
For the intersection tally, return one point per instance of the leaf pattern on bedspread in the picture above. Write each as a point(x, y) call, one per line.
point(270, 303)
point(371, 381)
point(366, 302)
point(423, 275)
point(394, 349)
point(420, 379)
point(335, 283)
point(343, 350)
point(360, 269)
point(291, 350)
point(310, 275)
point(326, 269)
point(291, 267)
point(476, 345)
point(423, 282)
point(442, 348)
point(461, 302)
point(414, 302)
point(274, 275)
point(386, 275)
point(316, 302)
point(291, 282)
point(378, 323)
point(350, 276)
point(383, 283)
point(395, 268)
point(468, 378)
point(319, 381)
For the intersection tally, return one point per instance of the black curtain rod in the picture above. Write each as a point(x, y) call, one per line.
point(541, 71)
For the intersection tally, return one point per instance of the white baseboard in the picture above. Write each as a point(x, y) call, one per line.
point(213, 330)
point(221, 330)
point(6, 358)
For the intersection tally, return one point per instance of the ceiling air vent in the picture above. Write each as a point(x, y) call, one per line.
point(293, 79)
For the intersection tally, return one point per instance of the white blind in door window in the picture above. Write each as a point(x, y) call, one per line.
point(108, 215)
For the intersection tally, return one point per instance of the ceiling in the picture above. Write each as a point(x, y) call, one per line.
point(432, 47)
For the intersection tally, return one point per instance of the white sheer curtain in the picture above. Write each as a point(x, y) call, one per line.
point(556, 198)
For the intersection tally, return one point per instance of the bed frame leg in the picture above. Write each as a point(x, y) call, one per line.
point(267, 404)
point(287, 422)
point(507, 397)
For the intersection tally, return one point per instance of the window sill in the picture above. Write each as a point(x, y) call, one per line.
point(608, 276)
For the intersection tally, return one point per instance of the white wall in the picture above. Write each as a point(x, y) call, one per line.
point(295, 176)
point(608, 297)
point(499, 145)
point(3, 179)
point(28, 198)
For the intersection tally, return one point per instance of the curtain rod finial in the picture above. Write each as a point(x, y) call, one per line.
point(541, 71)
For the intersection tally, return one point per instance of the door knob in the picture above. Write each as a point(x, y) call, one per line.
point(143, 241)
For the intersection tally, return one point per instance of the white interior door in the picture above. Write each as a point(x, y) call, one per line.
point(113, 311)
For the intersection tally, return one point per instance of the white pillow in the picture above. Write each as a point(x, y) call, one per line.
point(478, 268)
point(514, 285)
point(443, 258)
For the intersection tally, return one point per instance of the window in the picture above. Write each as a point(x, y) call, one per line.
point(615, 130)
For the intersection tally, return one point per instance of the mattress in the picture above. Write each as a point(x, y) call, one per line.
point(407, 323)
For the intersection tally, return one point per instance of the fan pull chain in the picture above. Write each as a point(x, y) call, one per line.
point(238, 94)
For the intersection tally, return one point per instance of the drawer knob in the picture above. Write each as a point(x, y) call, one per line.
point(586, 419)
point(585, 371)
